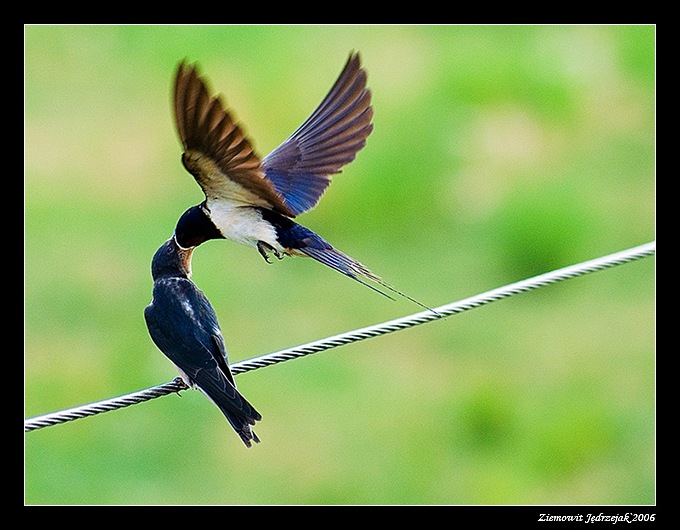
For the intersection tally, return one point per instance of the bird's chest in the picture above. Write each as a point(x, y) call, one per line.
point(242, 224)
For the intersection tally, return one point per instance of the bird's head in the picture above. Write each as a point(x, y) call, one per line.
point(171, 260)
point(195, 227)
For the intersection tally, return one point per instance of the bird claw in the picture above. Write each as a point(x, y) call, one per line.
point(181, 385)
point(264, 248)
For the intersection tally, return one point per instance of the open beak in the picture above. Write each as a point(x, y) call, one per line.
point(184, 256)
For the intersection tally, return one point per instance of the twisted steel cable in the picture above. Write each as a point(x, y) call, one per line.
point(177, 385)
point(38, 422)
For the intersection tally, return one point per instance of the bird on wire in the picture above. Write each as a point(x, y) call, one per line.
point(253, 201)
point(183, 325)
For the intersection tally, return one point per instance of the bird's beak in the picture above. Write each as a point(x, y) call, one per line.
point(184, 257)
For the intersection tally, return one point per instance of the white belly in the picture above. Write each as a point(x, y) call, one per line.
point(242, 224)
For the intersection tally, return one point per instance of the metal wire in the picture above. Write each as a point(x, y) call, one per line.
point(174, 386)
point(536, 282)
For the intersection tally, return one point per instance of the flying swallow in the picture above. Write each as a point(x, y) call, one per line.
point(183, 324)
point(253, 201)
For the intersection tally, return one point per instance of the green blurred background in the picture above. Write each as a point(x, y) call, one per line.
point(498, 153)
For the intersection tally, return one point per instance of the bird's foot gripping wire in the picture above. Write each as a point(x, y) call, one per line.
point(181, 385)
point(265, 248)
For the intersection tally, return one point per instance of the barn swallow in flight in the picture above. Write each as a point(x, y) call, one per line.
point(253, 201)
point(183, 325)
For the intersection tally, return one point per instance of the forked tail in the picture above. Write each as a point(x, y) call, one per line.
point(348, 266)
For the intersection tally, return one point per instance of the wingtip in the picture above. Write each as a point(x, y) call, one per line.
point(354, 56)
point(354, 64)
point(187, 70)
point(183, 66)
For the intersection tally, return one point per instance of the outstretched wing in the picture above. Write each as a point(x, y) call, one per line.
point(216, 151)
point(300, 169)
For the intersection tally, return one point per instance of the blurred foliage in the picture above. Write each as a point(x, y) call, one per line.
point(499, 152)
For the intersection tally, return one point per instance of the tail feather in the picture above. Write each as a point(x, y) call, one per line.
point(297, 239)
point(242, 423)
point(243, 429)
point(240, 414)
point(350, 267)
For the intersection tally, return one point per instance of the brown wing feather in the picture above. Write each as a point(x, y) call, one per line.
point(216, 151)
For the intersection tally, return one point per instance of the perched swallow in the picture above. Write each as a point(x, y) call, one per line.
point(253, 201)
point(183, 325)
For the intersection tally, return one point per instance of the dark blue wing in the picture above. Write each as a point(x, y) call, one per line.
point(301, 167)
